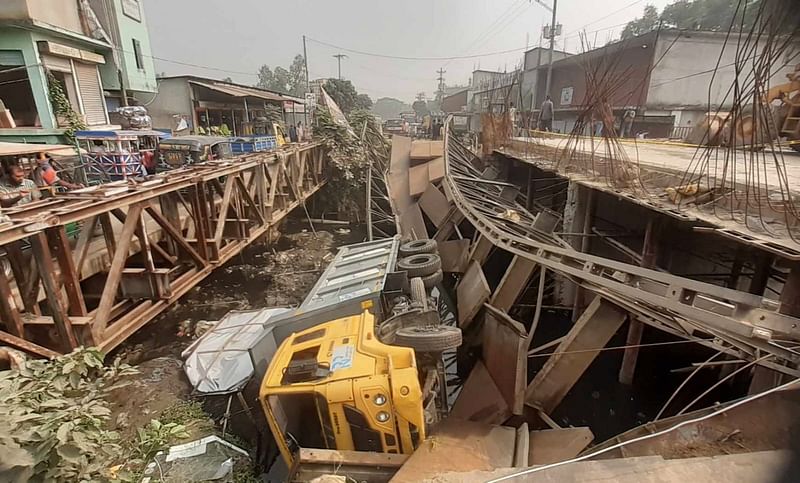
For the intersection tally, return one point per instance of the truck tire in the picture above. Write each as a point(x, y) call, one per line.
point(435, 338)
point(420, 265)
point(433, 279)
point(418, 292)
point(415, 247)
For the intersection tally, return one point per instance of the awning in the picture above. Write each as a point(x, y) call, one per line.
point(237, 91)
point(18, 149)
point(120, 134)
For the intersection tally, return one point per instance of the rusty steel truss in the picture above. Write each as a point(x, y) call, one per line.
point(734, 322)
point(92, 266)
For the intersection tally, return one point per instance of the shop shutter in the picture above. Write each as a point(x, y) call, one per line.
point(94, 106)
point(11, 57)
point(58, 64)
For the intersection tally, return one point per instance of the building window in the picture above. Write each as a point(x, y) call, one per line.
point(137, 51)
point(16, 96)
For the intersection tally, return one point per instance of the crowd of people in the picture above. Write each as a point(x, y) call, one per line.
point(17, 189)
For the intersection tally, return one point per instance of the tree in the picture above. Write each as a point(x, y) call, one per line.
point(265, 77)
point(343, 93)
point(389, 107)
point(297, 76)
point(420, 107)
point(647, 22)
point(363, 102)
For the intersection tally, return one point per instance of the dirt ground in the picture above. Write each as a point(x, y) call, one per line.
point(278, 274)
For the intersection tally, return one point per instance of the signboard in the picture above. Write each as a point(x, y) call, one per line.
point(566, 96)
point(132, 9)
point(311, 100)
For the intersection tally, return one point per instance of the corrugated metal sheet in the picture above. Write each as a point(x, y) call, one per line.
point(357, 272)
point(237, 91)
point(94, 105)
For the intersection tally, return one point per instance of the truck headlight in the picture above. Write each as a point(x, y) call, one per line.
point(382, 416)
point(380, 400)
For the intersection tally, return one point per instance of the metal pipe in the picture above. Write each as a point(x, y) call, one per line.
point(552, 47)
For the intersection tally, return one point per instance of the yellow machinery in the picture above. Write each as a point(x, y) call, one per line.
point(366, 395)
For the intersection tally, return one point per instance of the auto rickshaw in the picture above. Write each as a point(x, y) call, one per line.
point(182, 150)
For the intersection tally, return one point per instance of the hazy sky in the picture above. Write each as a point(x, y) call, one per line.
point(237, 36)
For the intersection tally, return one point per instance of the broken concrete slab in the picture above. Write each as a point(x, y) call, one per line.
point(505, 354)
point(472, 291)
point(412, 225)
point(436, 169)
point(459, 446)
point(480, 399)
point(554, 445)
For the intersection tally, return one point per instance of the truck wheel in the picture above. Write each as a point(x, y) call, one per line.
point(417, 246)
point(420, 265)
point(418, 292)
point(435, 338)
point(433, 279)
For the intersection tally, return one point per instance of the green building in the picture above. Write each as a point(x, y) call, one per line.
point(94, 49)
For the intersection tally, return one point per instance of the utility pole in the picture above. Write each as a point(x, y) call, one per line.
point(441, 73)
point(339, 57)
point(308, 83)
point(552, 37)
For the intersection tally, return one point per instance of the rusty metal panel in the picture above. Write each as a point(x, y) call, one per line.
point(418, 179)
point(454, 255)
point(435, 205)
point(505, 354)
point(472, 292)
point(480, 400)
point(554, 445)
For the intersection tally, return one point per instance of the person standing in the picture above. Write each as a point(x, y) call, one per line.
point(292, 133)
point(627, 123)
point(45, 175)
point(546, 115)
point(16, 189)
point(512, 117)
point(300, 132)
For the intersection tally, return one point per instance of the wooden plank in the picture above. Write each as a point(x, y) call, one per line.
point(417, 180)
point(352, 465)
point(223, 209)
point(505, 355)
point(553, 445)
point(513, 283)
point(108, 234)
point(591, 332)
point(69, 274)
point(481, 250)
point(454, 255)
point(27, 346)
point(434, 204)
point(115, 272)
point(44, 262)
point(472, 291)
point(176, 236)
point(459, 446)
point(82, 245)
point(8, 308)
point(21, 275)
point(480, 399)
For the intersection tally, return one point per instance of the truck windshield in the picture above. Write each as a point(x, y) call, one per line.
point(305, 417)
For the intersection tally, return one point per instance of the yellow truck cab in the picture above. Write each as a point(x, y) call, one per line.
point(366, 395)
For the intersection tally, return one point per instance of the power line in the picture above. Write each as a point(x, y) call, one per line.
point(401, 57)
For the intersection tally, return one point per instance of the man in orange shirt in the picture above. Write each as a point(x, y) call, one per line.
point(45, 175)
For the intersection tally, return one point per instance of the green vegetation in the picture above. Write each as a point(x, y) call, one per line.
point(63, 109)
